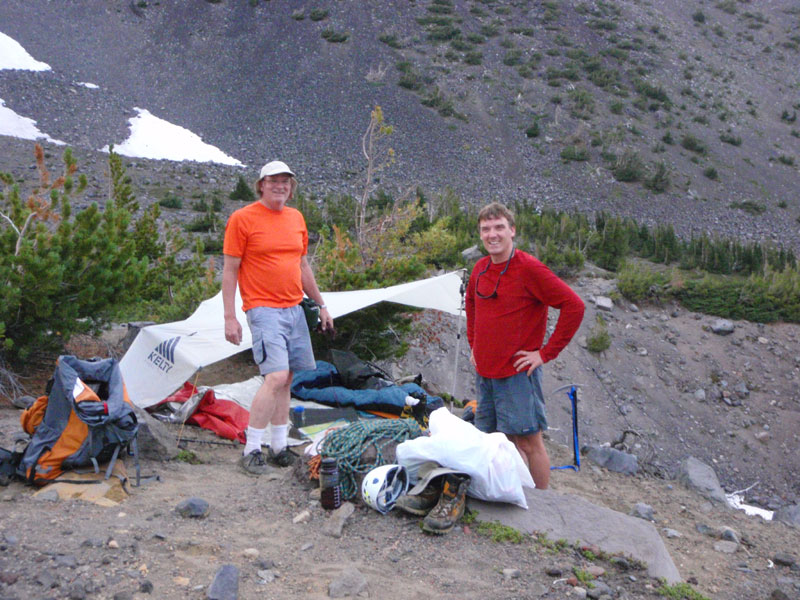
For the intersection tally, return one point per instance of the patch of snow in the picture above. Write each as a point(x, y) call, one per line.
point(21, 127)
point(158, 139)
point(736, 501)
point(14, 56)
point(91, 86)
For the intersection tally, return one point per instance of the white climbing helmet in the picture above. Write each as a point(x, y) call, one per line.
point(383, 485)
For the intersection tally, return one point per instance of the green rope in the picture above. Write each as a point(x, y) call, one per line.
point(348, 444)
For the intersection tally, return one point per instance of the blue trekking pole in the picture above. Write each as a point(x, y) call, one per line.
point(576, 450)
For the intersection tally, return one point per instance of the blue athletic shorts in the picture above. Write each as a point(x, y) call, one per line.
point(512, 405)
point(281, 341)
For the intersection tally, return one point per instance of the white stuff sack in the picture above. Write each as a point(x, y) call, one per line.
point(490, 459)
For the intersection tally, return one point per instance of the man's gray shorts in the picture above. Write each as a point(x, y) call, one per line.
point(280, 339)
point(512, 405)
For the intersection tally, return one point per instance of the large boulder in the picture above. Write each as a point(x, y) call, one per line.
point(697, 475)
point(612, 459)
point(790, 515)
point(564, 516)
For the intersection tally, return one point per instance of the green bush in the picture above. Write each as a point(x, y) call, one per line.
point(333, 36)
point(242, 192)
point(692, 143)
point(576, 153)
point(729, 138)
point(170, 200)
point(318, 14)
point(598, 340)
point(628, 167)
point(637, 283)
point(749, 206)
point(711, 173)
point(89, 268)
point(659, 180)
point(534, 130)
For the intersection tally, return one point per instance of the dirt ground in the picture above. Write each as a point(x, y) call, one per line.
point(648, 381)
point(91, 551)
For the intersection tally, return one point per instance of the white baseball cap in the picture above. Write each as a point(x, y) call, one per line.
point(275, 167)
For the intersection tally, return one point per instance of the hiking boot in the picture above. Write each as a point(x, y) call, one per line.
point(450, 507)
point(254, 463)
point(284, 458)
point(422, 503)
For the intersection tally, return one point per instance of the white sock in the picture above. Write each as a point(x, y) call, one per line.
point(253, 439)
point(278, 435)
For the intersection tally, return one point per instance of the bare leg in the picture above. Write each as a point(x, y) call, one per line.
point(271, 402)
point(534, 453)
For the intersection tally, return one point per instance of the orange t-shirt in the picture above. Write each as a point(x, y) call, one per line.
point(270, 244)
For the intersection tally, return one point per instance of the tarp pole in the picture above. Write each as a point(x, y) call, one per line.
point(463, 291)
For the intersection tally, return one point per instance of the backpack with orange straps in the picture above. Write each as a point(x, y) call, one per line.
point(85, 419)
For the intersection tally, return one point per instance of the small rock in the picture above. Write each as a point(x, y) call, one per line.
point(9, 578)
point(46, 496)
point(113, 544)
point(123, 596)
point(336, 522)
point(722, 327)
point(643, 511)
point(181, 581)
point(146, 586)
point(621, 563)
point(350, 583)
point(595, 570)
point(66, 560)
point(511, 574)
point(76, 591)
point(306, 546)
point(193, 508)
point(726, 547)
point(671, 533)
point(789, 515)
point(266, 575)
point(784, 559)
point(250, 552)
point(600, 589)
point(778, 594)
point(604, 303)
point(579, 592)
point(303, 517)
point(225, 585)
point(554, 571)
point(763, 340)
point(94, 542)
point(700, 395)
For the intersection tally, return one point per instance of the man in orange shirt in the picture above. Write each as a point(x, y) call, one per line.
point(265, 252)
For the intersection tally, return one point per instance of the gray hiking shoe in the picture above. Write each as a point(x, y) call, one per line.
point(254, 463)
point(284, 458)
point(422, 503)
point(450, 507)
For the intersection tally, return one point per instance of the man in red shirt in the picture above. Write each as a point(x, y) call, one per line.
point(507, 298)
point(265, 252)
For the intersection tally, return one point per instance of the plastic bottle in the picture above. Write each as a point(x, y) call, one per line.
point(331, 495)
point(298, 416)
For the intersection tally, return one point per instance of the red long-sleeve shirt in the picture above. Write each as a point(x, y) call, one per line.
point(516, 319)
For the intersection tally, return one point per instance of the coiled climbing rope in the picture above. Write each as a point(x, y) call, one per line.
point(347, 445)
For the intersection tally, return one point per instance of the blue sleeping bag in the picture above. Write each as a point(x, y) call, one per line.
point(324, 386)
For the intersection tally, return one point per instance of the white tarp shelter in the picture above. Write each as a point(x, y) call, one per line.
point(163, 357)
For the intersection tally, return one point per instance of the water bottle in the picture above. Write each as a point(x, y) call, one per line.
point(298, 415)
point(331, 494)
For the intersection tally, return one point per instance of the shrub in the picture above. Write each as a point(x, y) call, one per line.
point(473, 58)
point(749, 206)
point(659, 181)
point(242, 192)
point(637, 283)
point(694, 144)
point(333, 36)
point(711, 173)
point(534, 130)
point(576, 153)
point(729, 138)
point(616, 107)
point(598, 340)
point(786, 160)
point(318, 14)
point(170, 200)
point(390, 40)
point(699, 17)
point(628, 167)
